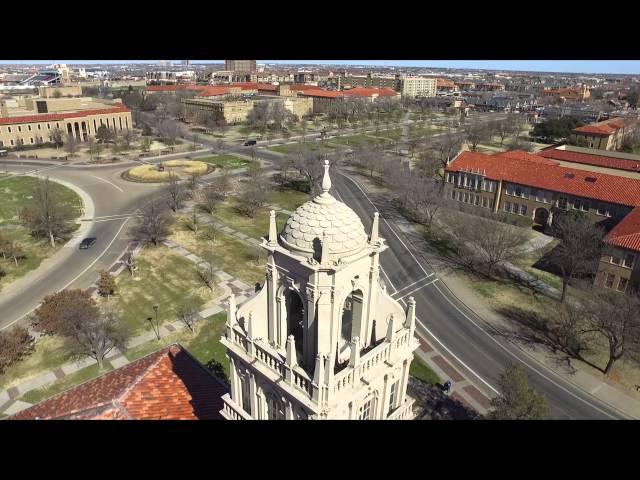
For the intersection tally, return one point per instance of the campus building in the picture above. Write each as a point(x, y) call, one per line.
point(35, 119)
point(240, 65)
point(322, 339)
point(606, 135)
point(418, 86)
point(532, 186)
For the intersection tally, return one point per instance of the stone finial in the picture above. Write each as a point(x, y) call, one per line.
point(231, 314)
point(292, 361)
point(411, 313)
point(273, 233)
point(374, 229)
point(391, 328)
point(250, 325)
point(326, 180)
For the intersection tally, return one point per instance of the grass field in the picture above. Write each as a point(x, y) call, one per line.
point(167, 279)
point(17, 193)
point(256, 227)
point(287, 199)
point(421, 371)
point(356, 140)
point(311, 146)
point(235, 257)
point(226, 161)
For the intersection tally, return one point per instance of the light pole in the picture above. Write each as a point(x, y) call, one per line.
point(156, 327)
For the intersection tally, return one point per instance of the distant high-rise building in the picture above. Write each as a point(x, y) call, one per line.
point(240, 65)
point(185, 62)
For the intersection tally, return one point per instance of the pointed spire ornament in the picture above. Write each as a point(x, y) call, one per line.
point(324, 255)
point(374, 229)
point(326, 180)
point(231, 313)
point(391, 328)
point(292, 361)
point(273, 233)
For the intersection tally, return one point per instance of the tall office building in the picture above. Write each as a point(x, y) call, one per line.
point(240, 65)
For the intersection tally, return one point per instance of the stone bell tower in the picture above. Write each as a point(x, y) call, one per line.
point(322, 339)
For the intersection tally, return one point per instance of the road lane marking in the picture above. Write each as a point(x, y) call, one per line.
point(417, 281)
point(107, 181)
point(77, 276)
point(553, 382)
point(550, 380)
point(418, 288)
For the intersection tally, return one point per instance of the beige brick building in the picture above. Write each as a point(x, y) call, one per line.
point(81, 116)
point(414, 86)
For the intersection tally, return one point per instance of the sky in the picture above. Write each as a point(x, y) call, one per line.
point(568, 66)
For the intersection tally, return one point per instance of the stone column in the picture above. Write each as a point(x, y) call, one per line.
point(382, 411)
point(402, 394)
point(233, 380)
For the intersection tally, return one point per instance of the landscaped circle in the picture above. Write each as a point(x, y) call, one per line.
point(181, 168)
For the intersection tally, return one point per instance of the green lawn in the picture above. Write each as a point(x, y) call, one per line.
point(256, 227)
point(16, 193)
point(287, 198)
point(357, 140)
point(47, 355)
point(204, 344)
point(235, 257)
point(225, 161)
point(421, 371)
point(311, 146)
point(166, 279)
point(76, 378)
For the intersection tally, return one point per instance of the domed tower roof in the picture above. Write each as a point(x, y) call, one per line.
point(324, 219)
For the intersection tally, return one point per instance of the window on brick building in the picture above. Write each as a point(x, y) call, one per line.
point(615, 260)
point(364, 412)
point(507, 206)
point(622, 284)
point(562, 202)
point(629, 258)
point(523, 209)
point(609, 281)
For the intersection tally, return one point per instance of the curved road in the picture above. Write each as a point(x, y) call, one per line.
point(114, 201)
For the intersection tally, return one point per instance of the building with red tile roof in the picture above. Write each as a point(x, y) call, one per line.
point(595, 159)
point(533, 186)
point(606, 135)
point(444, 84)
point(166, 385)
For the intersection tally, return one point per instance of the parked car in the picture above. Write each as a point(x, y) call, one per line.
point(248, 143)
point(87, 242)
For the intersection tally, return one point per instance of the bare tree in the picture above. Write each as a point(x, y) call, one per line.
point(489, 242)
point(255, 196)
point(580, 247)
point(209, 199)
point(153, 224)
point(193, 222)
point(614, 318)
point(57, 137)
point(91, 145)
point(177, 193)
point(48, 215)
point(71, 146)
point(206, 273)
point(476, 132)
point(504, 128)
point(127, 137)
point(169, 130)
point(14, 251)
point(421, 198)
point(94, 336)
point(187, 313)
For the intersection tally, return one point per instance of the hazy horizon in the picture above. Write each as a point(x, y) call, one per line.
point(620, 67)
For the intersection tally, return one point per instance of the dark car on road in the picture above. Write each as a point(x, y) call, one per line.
point(249, 143)
point(87, 242)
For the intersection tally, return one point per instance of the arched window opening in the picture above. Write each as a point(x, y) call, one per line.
point(351, 323)
point(246, 393)
point(275, 408)
point(295, 321)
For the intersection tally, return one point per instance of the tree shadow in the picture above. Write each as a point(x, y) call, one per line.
point(433, 404)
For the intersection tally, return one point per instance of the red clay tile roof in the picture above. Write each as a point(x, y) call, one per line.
point(213, 91)
point(318, 92)
point(255, 86)
point(532, 170)
point(369, 92)
point(589, 159)
point(302, 87)
point(442, 83)
point(606, 127)
point(52, 117)
point(626, 234)
point(166, 385)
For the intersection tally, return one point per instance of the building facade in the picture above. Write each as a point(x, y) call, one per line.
point(240, 65)
point(322, 339)
point(606, 135)
point(82, 124)
point(414, 86)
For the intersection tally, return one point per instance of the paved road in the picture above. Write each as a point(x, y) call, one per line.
point(469, 343)
point(114, 199)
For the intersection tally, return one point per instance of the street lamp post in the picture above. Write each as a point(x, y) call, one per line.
point(155, 326)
